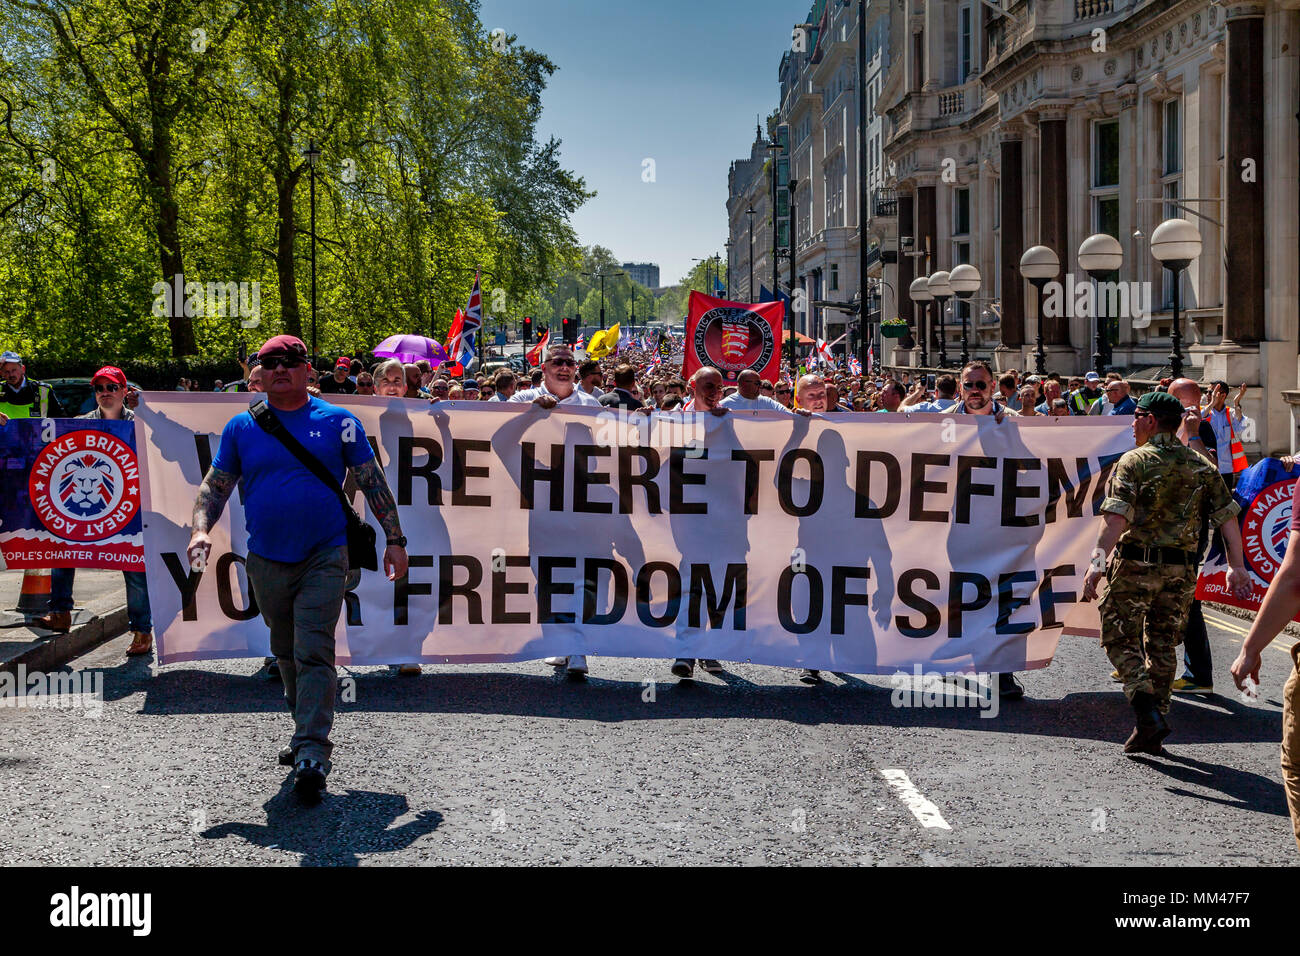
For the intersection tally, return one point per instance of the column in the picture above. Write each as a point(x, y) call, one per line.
point(1054, 208)
point(906, 267)
point(1011, 216)
point(1244, 212)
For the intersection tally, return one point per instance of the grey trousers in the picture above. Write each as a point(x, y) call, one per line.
point(300, 604)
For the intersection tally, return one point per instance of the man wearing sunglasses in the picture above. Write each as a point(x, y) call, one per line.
point(1156, 499)
point(977, 387)
point(297, 539)
point(110, 388)
point(559, 387)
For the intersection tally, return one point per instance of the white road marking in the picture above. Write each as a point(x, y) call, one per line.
point(921, 808)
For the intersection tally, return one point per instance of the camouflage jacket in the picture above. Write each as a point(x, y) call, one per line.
point(1164, 489)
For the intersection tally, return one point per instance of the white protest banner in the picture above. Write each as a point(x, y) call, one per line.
point(858, 543)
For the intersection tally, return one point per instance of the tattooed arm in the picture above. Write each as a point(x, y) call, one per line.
point(370, 479)
point(215, 491)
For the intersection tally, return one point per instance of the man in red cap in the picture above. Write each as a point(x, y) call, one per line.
point(110, 405)
point(297, 537)
point(339, 383)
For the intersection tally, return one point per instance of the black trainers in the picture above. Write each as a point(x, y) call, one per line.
point(286, 757)
point(810, 676)
point(309, 780)
point(710, 666)
point(272, 669)
point(683, 667)
point(1009, 688)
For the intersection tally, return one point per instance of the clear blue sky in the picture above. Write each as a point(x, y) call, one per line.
point(676, 81)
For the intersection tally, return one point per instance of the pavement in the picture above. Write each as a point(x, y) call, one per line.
point(99, 615)
point(514, 764)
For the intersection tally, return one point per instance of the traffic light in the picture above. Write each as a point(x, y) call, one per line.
point(570, 331)
point(528, 330)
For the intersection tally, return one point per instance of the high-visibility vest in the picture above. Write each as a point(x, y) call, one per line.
point(35, 410)
point(1234, 445)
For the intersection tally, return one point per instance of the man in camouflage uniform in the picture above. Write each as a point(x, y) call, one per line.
point(1155, 501)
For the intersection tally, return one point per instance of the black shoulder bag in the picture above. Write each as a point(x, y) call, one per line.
point(361, 537)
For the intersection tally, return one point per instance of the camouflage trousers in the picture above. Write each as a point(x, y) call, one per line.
point(1143, 617)
point(1291, 742)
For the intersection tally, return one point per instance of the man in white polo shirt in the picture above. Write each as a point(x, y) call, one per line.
point(559, 387)
point(747, 396)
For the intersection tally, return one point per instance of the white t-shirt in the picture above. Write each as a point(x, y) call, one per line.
point(577, 397)
point(760, 403)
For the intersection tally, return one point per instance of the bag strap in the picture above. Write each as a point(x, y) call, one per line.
point(267, 420)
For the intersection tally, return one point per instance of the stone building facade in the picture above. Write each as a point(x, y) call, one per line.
point(1047, 121)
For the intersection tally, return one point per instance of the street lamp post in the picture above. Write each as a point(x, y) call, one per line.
point(794, 241)
point(1040, 266)
point(965, 281)
point(750, 213)
point(726, 286)
point(1100, 256)
point(1175, 243)
point(920, 293)
point(941, 289)
point(862, 181)
point(312, 155)
point(602, 276)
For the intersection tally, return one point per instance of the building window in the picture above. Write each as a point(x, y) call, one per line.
point(1173, 138)
point(1105, 178)
point(961, 213)
point(1105, 163)
point(960, 255)
point(835, 276)
point(1106, 215)
point(964, 50)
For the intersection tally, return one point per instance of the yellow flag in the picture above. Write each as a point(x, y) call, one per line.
point(604, 342)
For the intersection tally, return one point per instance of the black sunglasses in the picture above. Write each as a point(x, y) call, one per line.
point(976, 386)
point(564, 363)
point(107, 388)
point(274, 362)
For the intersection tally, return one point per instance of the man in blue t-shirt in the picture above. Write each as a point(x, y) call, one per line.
point(297, 539)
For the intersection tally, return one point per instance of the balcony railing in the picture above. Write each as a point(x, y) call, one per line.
point(952, 102)
point(1088, 9)
point(884, 204)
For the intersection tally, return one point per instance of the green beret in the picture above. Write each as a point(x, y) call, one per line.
point(1161, 404)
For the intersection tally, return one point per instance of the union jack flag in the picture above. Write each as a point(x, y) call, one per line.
point(460, 343)
point(855, 367)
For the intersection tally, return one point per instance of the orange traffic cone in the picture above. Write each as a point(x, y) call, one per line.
point(35, 597)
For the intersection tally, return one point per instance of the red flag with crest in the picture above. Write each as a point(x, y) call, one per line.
point(733, 336)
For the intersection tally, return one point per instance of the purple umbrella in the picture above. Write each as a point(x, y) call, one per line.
point(410, 349)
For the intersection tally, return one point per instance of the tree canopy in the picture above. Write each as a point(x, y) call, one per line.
point(144, 141)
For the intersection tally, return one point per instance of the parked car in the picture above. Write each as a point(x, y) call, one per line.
point(75, 394)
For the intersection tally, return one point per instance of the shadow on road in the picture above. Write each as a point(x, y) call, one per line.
point(1243, 790)
point(1091, 715)
point(337, 831)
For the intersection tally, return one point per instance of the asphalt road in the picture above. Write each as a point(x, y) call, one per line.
point(495, 764)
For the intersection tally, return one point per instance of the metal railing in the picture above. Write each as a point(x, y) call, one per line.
point(884, 203)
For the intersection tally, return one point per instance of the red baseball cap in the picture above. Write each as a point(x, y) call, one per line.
point(283, 345)
point(112, 373)
point(343, 362)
